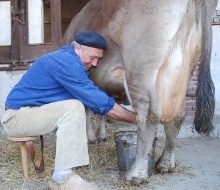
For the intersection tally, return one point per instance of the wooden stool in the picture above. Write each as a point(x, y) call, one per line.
point(23, 141)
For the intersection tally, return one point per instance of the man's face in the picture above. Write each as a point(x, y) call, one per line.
point(89, 55)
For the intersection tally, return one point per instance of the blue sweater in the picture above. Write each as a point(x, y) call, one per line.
point(58, 76)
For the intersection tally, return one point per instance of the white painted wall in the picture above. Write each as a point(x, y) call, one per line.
point(215, 70)
point(35, 21)
point(5, 24)
point(7, 80)
point(215, 63)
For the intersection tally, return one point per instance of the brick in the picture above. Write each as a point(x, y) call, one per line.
point(194, 78)
point(188, 108)
point(190, 103)
point(187, 98)
point(194, 108)
point(190, 113)
point(193, 83)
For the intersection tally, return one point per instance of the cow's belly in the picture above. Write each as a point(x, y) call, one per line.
point(111, 79)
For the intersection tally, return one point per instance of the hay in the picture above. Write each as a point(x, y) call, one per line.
point(102, 169)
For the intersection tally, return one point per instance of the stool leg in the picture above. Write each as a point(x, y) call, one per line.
point(24, 159)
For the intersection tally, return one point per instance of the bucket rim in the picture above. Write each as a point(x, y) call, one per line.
point(119, 133)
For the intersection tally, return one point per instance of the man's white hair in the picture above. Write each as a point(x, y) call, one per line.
point(82, 47)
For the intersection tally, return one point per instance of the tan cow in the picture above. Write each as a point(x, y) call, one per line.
point(157, 44)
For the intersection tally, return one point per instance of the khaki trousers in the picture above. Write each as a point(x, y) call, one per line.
point(68, 117)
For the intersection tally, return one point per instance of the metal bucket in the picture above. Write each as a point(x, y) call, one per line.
point(126, 147)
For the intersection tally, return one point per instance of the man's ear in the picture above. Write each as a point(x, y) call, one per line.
point(77, 48)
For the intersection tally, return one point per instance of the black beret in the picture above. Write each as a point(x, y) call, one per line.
point(91, 39)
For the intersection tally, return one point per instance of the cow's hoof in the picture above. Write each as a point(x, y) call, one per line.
point(101, 139)
point(165, 168)
point(138, 181)
point(94, 141)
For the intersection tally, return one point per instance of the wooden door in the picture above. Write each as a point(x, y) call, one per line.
point(19, 52)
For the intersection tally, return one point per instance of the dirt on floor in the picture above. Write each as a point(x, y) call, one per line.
point(197, 161)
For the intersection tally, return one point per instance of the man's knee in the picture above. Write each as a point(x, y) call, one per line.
point(76, 105)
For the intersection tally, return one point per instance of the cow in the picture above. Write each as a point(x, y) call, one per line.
point(156, 44)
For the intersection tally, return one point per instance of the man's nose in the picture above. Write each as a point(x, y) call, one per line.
point(95, 62)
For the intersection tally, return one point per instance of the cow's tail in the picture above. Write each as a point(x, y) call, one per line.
point(205, 100)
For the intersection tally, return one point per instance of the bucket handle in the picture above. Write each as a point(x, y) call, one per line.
point(124, 142)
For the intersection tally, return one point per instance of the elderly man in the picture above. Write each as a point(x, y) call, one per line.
point(52, 94)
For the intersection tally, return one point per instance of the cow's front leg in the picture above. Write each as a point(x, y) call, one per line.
point(101, 133)
point(166, 163)
point(138, 173)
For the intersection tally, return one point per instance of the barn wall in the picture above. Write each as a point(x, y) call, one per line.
point(69, 8)
point(215, 70)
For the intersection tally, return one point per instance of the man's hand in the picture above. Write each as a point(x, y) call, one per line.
point(122, 114)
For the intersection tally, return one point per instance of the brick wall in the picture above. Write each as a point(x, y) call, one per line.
point(190, 99)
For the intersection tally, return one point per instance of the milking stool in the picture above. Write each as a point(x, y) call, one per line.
point(24, 150)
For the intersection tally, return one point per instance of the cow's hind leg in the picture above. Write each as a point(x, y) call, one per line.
point(166, 163)
point(89, 129)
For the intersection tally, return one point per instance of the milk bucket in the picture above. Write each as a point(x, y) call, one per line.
point(126, 146)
